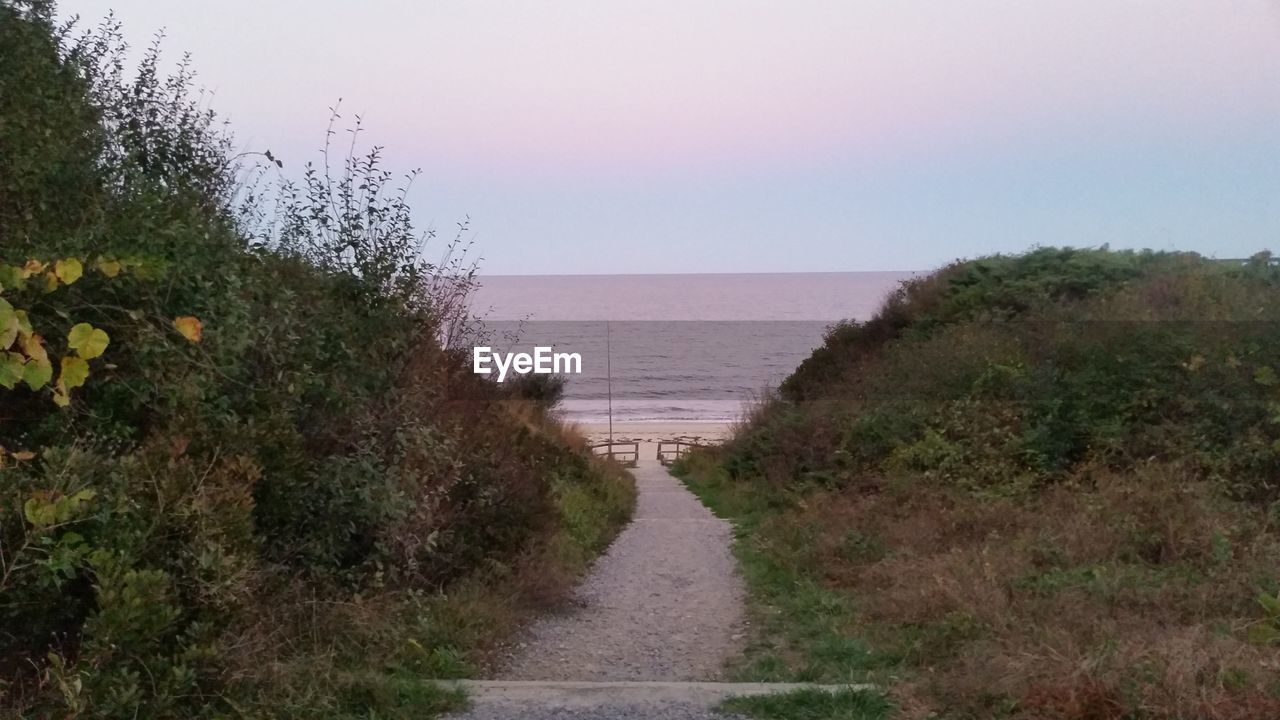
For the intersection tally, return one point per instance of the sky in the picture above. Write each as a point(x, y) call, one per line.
point(629, 136)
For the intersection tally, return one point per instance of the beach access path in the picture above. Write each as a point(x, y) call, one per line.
point(665, 602)
point(660, 611)
point(648, 631)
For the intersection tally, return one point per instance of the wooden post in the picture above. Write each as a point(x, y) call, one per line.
point(608, 364)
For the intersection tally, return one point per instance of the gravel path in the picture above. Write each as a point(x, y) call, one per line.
point(663, 603)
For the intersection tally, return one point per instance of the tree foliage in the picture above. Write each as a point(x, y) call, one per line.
point(254, 406)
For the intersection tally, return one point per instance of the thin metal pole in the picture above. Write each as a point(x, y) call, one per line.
point(608, 364)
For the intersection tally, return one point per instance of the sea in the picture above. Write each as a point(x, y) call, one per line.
point(683, 348)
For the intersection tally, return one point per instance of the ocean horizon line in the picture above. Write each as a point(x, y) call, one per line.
point(481, 276)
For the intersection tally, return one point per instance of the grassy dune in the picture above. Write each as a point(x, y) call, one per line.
point(1040, 486)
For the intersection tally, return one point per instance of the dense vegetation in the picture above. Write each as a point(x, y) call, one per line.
point(242, 473)
point(1033, 486)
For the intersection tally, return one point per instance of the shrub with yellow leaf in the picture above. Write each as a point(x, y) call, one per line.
point(189, 327)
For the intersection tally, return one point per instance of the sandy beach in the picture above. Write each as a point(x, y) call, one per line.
point(651, 432)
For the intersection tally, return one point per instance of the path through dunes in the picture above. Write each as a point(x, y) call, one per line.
point(649, 630)
point(664, 603)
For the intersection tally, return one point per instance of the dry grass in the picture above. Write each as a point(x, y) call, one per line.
point(1110, 596)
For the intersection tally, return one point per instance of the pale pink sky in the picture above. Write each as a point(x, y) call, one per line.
point(893, 134)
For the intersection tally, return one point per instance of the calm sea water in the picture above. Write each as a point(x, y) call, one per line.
point(687, 348)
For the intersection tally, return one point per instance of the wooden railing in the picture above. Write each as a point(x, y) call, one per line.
point(671, 450)
point(626, 452)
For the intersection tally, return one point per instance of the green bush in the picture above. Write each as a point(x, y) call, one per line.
point(278, 422)
point(1039, 486)
point(1007, 372)
point(544, 391)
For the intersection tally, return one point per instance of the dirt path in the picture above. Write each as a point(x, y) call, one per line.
point(653, 623)
point(663, 603)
